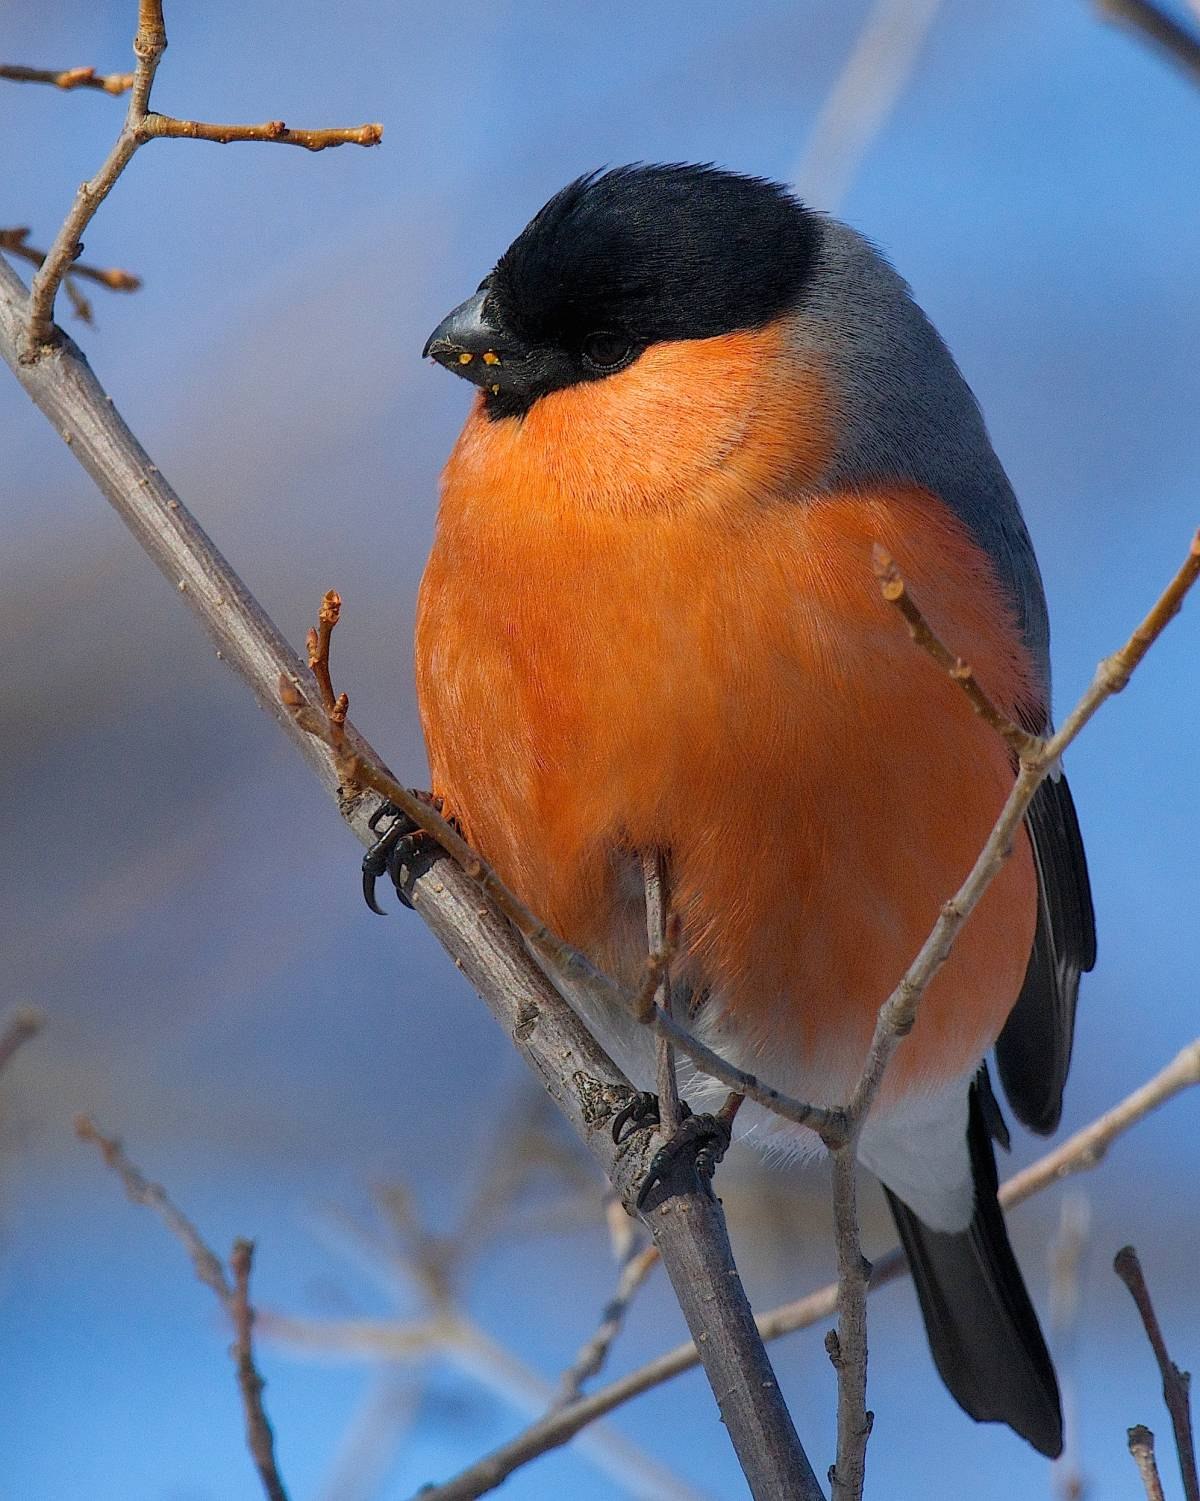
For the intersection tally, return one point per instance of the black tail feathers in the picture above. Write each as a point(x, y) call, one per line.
point(984, 1335)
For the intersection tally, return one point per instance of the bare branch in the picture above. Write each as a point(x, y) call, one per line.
point(654, 884)
point(259, 1438)
point(592, 1355)
point(14, 242)
point(1176, 1384)
point(18, 1029)
point(828, 1123)
point(898, 1013)
point(141, 126)
point(1079, 1153)
point(274, 132)
point(1141, 1446)
point(1158, 27)
point(233, 1296)
point(848, 1345)
point(895, 591)
point(207, 1264)
point(69, 78)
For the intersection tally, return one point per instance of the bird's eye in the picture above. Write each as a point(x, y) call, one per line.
point(604, 351)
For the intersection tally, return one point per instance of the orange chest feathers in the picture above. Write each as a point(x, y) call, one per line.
point(629, 637)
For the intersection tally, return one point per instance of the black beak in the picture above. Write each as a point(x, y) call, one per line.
point(468, 343)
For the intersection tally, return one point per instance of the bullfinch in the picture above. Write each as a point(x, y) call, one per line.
point(649, 623)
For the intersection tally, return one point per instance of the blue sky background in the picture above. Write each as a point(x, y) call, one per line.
point(182, 902)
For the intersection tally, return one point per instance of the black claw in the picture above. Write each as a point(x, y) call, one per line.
point(385, 856)
point(642, 1111)
point(703, 1138)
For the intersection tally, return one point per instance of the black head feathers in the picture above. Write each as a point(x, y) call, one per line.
point(655, 252)
point(620, 260)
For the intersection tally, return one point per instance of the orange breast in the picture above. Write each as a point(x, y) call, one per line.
point(628, 638)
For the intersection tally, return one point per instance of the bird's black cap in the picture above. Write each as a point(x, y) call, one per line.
point(622, 259)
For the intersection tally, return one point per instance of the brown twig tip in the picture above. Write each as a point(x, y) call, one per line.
point(70, 78)
point(1141, 1446)
point(14, 241)
point(1176, 1384)
point(167, 127)
point(895, 591)
point(18, 1029)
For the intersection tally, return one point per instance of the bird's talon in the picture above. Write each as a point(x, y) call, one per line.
point(642, 1111)
point(705, 1138)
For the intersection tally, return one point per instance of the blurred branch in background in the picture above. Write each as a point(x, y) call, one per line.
point(376, 1340)
point(409, 1259)
point(1161, 29)
point(69, 78)
point(1176, 1384)
point(234, 1296)
point(856, 108)
point(1067, 1255)
point(14, 242)
point(18, 1029)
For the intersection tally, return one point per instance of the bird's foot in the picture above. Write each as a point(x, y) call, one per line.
point(394, 849)
point(702, 1140)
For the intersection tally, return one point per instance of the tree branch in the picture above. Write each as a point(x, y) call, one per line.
point(1176, 1384)
point(1141, 1446)
point(69, 78)
point(1156, 26)
point(141, 126)
point(234, 1296)
point(116, 280)
point(18, 1029)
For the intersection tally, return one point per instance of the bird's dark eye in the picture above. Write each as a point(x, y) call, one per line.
point(606, 351)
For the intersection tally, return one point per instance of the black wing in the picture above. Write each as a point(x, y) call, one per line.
point(1034, 1050)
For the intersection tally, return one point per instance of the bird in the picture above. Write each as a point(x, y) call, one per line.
point(649, 625)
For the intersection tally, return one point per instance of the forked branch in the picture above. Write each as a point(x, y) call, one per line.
point(141, 125)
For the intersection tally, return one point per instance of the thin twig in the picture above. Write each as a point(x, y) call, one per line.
point(1080, 1153)
point(207, 1264)
point(894, 589)
point(1141, 1446)
point(589, 1362)
point(112, 277)
point(1176, 1384)
point(848, 1346)
point(141, 126)
point(234, 1296)
point(18, 1029)
point(69, 78)
point(260, 1439)
point(13, 241)
point(898, 1013)
point(1160, 28)
point(654, 886)
point(1038, 758)
point(829, 1123)
point(1066, 1260)
point(156, 126)
point(358, 768)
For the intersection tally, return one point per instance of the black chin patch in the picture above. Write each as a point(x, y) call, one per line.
point(646, 254)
